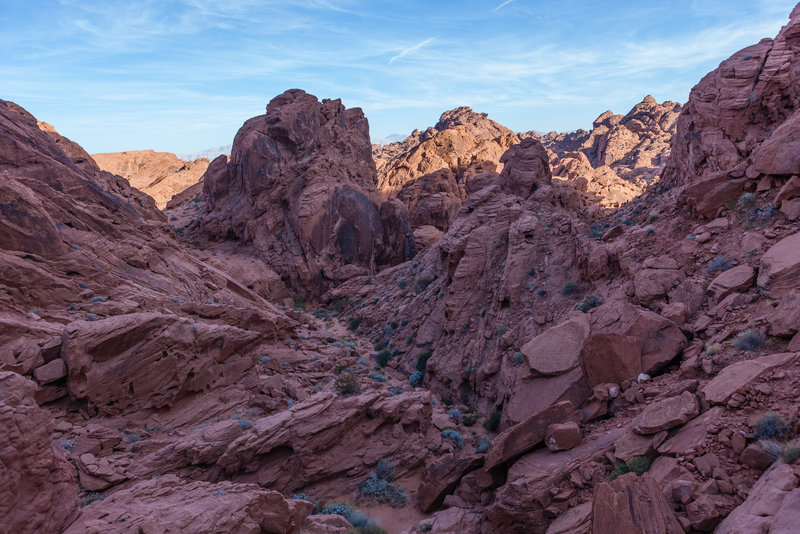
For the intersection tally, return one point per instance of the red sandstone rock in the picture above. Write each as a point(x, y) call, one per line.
point(300, 189)
point(37, 484)
point(563, 436)
point(169, 504)
point(632, 504)
point(667, 413)
point(441, 478)
point(159, 174)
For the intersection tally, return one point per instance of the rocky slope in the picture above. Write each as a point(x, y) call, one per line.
point(159, 174)
point(547, 365)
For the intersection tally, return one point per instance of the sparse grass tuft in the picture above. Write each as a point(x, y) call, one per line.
point(749, 340)
point(770, 426)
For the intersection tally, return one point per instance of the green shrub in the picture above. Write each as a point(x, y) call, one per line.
point(383, 357)
point(569, 288)
point(299, 302)
point(483, 446)
point(749, 340)
point(592, 301)
point(713, 349)
point(653, 216)
point(422, 360)
point(637, 464)
point(346, 383)
point(770, 426)
point(492, 422)
point(470, 419)
point(649, 229)
point(385, 469)
point(790, 453)
point(353, 324)
point(372, 529)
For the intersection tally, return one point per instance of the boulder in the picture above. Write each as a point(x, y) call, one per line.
point(523, 437)
point(667, 413)
point(736, 376)
point(632, 505)
point(780, 267)
point(563, 436)
point(626, 341)
point(556, 350)
point(51, 371)
point(738, 279)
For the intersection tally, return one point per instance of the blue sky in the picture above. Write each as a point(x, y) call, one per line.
point(183, 76)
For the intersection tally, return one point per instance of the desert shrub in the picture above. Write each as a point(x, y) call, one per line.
point(720, 263)
point(99, 299)
point(713, 349)
point(337, 508)
point(770, 426)
point(649, 229)
point(747, 200)
point(501, 329)
point(380, 345)
point(422, 283)
point(385, 469)
point(453, 435)
point(749, 340)
point(416, 378)
point(422, 360)
point(353, 324)
point(378, 377)
point(653, 216)
point(790, 453)
point(67, 444)
point(569, 288)
point(402, 284)
point(456, 414)
point(483, 446)
point(596, 231)
point(637, 464)
point(244, 424)
point(592, 301)
point(91, 317)
point(470, 419)
point(132, 438)
point(373, 529)
point(299, 302)
point(518, 358)
point(492, 422)
point(219, 492)
point(383, 357)
point(346, 383)
point(425, 527)
point(381, 490)
point(541, 292)
point(91, 497)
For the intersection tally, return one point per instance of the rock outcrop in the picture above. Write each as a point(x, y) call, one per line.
point(620, 156)
point(159, 174)
point(299, 191)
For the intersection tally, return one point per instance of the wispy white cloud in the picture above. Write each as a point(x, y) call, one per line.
point(410, 49)
point(502, 5)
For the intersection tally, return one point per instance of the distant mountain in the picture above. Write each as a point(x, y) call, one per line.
point(209, 153)
point(393, 138)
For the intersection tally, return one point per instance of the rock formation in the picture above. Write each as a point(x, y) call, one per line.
point(299, 190)
point(159, 174)
point(545, 365)
point(621, 155)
